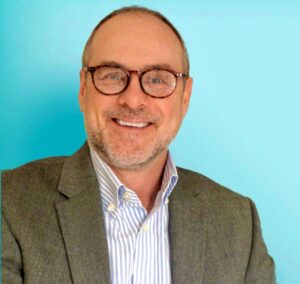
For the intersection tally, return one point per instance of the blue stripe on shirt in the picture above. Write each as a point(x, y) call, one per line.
point(138, 242)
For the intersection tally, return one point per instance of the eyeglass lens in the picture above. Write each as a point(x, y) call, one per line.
point(113, 80)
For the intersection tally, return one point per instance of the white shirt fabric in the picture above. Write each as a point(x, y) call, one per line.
point(138, 242)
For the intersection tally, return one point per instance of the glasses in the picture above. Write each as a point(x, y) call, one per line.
point(112, 80)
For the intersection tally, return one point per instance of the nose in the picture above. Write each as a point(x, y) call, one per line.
point(133, 96)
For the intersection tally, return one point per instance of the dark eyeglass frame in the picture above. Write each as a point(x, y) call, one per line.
point(140, 74)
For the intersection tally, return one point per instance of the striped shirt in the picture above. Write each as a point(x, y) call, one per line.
point(138, 242)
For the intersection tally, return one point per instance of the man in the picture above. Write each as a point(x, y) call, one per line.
point(118, 210)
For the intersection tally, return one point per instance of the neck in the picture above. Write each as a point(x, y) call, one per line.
point(145, 182)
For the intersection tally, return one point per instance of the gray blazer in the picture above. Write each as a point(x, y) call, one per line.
point(53, 229)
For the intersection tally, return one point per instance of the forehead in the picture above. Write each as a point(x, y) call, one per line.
point(136, 40)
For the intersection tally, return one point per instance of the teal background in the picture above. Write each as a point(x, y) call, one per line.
point(242, 129)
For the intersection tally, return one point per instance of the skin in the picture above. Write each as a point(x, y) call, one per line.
point(136, 155)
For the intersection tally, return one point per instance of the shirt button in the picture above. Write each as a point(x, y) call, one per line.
point(111, 207)
point(126, 195)
point(167, 201)
point(145, 227)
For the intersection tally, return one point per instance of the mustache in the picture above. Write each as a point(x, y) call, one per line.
point(125, 112)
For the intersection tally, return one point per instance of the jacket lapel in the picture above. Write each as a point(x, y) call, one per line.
point(82, 225)
point(81, 220)
point(187, 231)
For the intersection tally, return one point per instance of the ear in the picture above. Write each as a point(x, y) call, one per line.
point(82, 91)
point(186, 95)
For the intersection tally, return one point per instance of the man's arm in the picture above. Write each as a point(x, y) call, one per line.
point(261, 265)
point(11, 256)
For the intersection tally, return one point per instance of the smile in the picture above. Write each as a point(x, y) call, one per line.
point(131, 123)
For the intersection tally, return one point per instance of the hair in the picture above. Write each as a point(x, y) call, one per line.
point(136, 9)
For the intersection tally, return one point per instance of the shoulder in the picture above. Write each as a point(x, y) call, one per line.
point(31, 181)
point(217, 197)
point(29, 193)
point(197, 182)
point(33, 172)
point(229, 210)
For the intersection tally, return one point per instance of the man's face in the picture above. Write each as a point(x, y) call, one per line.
point(131, 130)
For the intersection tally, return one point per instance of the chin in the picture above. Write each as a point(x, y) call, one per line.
point(127, 156)
point(129, 159)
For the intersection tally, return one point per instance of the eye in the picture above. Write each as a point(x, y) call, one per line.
point(156, 80)
point(113, 76)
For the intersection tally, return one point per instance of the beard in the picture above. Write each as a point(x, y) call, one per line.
point(125, 152)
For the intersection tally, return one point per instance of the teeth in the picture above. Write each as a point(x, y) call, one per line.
point(132, 124)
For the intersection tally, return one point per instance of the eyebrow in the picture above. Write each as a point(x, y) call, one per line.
point(111, 63)
point(147, 67)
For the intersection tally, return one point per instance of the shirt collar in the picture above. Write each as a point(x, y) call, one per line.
point(109, 183)
point(112, 188)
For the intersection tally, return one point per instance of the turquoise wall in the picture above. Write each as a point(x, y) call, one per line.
point(242, 128)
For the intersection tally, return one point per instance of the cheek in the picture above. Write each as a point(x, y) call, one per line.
point(173, 115)
point(97, 103)
point(93, 114)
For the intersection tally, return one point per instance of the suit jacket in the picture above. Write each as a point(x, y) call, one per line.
point(53, 228)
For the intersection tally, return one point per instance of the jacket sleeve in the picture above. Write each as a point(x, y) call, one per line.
point(11, 256)
point(261, 269)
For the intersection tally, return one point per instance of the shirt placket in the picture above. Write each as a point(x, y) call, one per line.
point(139, 261)
point(141, 215)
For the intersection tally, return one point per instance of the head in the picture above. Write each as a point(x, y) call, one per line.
point(132, 129)
point(138, 10)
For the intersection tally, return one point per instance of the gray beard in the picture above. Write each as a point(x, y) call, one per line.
point(134, 160)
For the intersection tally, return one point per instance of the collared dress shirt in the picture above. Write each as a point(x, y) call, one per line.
point(138, 242)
